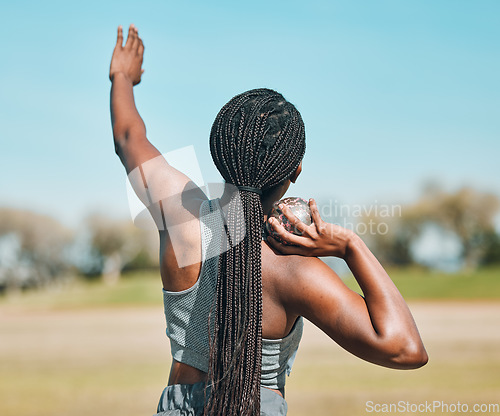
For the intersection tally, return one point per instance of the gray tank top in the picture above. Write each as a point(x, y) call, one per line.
point(187, 312)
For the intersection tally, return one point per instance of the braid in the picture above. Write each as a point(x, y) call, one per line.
point(257, 140)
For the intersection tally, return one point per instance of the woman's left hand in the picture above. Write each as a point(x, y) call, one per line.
point(128, 59)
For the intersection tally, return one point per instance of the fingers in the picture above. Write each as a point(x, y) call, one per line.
point(315, 212)
point(119, 38)
point(292, 219)
point(284, 249)
point(141, 47)
point(135, 38)
point(134, 42)
point(130, 36)
point(284, 235)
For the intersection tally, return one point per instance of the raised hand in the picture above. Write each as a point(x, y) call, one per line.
point(318, 239)
point(128, 59)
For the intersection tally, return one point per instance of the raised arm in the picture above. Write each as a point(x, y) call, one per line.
point(171, 197)
point(129, 131)
point(378, 326)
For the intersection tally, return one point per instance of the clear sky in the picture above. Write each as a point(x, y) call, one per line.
point(393, 93)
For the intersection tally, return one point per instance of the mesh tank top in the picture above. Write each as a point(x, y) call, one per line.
point(187, 312)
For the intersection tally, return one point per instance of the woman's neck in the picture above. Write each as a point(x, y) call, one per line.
point(268, 198)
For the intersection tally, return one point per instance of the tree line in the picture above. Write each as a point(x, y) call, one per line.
point(468, 215)
point(36, 250)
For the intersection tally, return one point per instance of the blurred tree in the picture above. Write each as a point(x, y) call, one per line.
point(393, 245)
point(492, 248)
point(467, 213)
point(33, 249)
point(117, 245)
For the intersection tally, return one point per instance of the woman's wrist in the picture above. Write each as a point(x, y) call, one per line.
point(119, 74)
point(354, 244)
point(337, 240)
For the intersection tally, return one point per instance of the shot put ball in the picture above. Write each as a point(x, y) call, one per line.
point(298, 206)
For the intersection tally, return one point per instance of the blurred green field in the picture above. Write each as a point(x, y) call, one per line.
point(88, 348)
point(418, 283)
point(144, 289)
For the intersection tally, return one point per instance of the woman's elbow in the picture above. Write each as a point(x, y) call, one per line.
point(412, 356)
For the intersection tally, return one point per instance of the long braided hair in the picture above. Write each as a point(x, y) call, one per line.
point(257, 140)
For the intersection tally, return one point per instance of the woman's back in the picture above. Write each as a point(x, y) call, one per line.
point(189, 286)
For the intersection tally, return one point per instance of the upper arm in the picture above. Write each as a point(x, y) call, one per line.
point(171, 197)
point(319, 295)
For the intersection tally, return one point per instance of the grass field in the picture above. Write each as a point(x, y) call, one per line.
point(93, 349)
point(415, 283)
point(143, 289)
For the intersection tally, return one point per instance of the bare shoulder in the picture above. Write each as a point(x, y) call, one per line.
point(307, 286)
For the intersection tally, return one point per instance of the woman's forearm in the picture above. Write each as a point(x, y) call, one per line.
point(125, 119)
point(390, 316)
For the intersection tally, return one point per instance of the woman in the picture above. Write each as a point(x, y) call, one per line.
point(220, 278)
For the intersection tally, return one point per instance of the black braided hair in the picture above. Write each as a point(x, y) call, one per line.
point(257, 140)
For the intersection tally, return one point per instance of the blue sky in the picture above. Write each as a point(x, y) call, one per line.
point(393, 94)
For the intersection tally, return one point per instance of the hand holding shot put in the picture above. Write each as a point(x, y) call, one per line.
point(319, 239)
